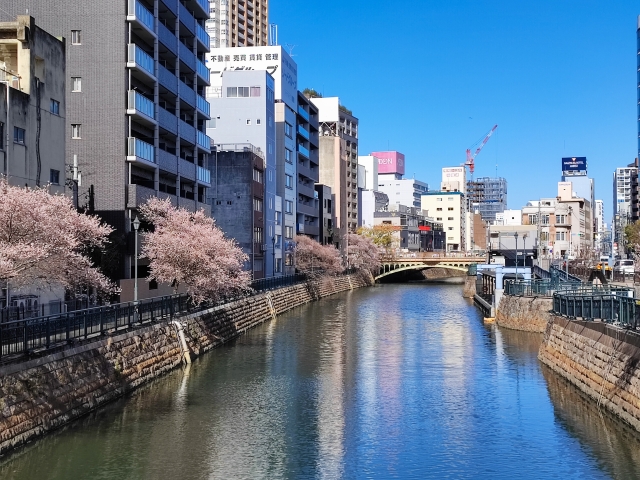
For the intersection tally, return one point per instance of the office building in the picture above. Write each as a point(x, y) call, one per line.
point(414, 230)
point(136, 112)
point(244, 106)
point(32, 81)
point(238, 23)
point(487, 196)
point(339, 163)
point(403, 192)
point(599, 225)
point(449, 208)
point(238, 202)
point(391, 165)
point(624, 179)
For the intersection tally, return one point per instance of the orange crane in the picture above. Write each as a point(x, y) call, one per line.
point(470, 158)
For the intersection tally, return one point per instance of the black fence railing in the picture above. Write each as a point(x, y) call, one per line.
point(31, 309)
point(27, 336)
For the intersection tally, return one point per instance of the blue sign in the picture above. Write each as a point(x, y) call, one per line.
point(574, 164)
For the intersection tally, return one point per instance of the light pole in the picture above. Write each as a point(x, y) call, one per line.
point(273, 242)
point(136, 226)
point(515, 235)
point(524, 253)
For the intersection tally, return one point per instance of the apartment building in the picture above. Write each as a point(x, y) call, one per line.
point(238, 23)
point(449, 208)
point(339, 162)
point(327, 218)
point(414, 230)
point(136, 112)
point(32, 105)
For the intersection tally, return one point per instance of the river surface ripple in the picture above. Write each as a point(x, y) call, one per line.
point(394, 381)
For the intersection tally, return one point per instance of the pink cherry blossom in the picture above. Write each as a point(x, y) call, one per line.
point(315, 259)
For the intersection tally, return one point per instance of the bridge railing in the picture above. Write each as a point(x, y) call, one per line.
point(611, 305)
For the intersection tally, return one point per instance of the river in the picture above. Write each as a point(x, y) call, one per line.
point(395, 381)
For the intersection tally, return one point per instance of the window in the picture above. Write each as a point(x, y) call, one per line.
point(75, 37)
point(450, 199)
point(270, 147)
point(449, 228)
point(257, 175)
point(533, 219)
point(449, 218)
point(257, 234)
point(450, 209)
point(54, 177)
point(288, 181)
point(439, 219)
point(288, 155)
point(439, 199)
point(544, 219)
point(255, 91)
point(561, 219)
point(76, 84)
point(278, 240)
point(248, 121)
point(288, 232)
point(278, 218)
point(232, 92)
point(288, 206)
point(75, 130)
point(278, 265)
point(18, 135)
point(559, 235)
point(258, 121)
point(288, 260)
point(288, 130)
point(438, 209)
point(243, 92)
point(54, 107)
point(257, 204)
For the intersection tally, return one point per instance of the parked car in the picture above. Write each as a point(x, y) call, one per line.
point(626, 267)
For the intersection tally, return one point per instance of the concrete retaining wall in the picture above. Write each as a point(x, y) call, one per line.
point(524, 313)
point(40, 395)
point(601, 360)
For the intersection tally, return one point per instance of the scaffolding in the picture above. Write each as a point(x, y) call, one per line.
point(487, 196)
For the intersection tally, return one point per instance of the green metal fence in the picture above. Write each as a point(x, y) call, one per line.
point(611, 305)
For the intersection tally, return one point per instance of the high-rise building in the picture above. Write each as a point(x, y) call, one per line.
point(339, 162)
point(600, 225)
point(239, 23)
point(624, 179)
point(136, 111)
point(487, 196)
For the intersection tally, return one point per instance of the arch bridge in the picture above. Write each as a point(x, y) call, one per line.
point(391, 267)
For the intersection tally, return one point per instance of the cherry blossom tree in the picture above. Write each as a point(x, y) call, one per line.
point(45, 242)
point(364, 255)
point(186, 248)
point(315, 259)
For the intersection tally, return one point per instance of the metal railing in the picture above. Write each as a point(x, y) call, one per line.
point(22, 337)
point(547, 288)
point(610, 305)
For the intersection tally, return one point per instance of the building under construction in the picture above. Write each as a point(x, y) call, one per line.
point(487, 196)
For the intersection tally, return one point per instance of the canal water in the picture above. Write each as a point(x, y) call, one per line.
point(394, 381)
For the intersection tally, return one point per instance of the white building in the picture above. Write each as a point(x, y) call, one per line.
point(600, 225)
point(509, 217)
point(404, 192)
point(450, 209)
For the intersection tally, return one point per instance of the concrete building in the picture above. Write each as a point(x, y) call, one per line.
point(136, 112)
point(307, 168)
point(391, 165)
point(415, 231)
point(371, 201)
point(448, 207)
point(371, 169)
point(238, 23)
point(403, 192)
point(487, 196)
point(600, 226)
point(327, 217)
point(32, 105)
point(339, 162)
point(509, 217)
point(244, 106)
point(238, 202)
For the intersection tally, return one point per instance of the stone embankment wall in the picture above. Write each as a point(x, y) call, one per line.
point(529, 314)
point(601, 360)
point(40, 395)
point(469, 289)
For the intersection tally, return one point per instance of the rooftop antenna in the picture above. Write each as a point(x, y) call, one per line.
point(290, 47)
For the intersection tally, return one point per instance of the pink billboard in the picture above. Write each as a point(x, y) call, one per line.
point(390, 162)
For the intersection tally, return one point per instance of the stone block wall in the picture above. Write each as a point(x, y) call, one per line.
point(601, 360)
point(40, 395)
point(529, 314)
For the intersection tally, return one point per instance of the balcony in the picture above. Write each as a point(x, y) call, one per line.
point(168, 121)
point(203, 105)
point(172, 6)
point(168, 80)
point(300, 228)
point(168, 161)
point(140, 105)
point(136, 12)
point(303, 113)
point(187, 132)
point(203, 175)
point(138, 58)
point(168, 39)
point(306, 190)
point(186, 56)
point(137, 195)
point(204, 5)
point(187, 19)
point(307, 209)
point(304, 151)
point(203, 71)
point(303, 132)
point(187, 169)
point(140, 150)
point(203, 140)
point(187, 93)
point(202, 36)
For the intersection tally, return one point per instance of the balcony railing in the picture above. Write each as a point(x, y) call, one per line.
point(138, 11)
point(168, 120)
point(186, 56)
point(187, 19)
point(187, 93)
point(141, 149)
point(202, 70)
point(303, 150)
point(203, 175)
point(167, 38)
point(202, 35)
point(203, 105)
point(203, 140)
point(141, 59)
point(141, 104)
point(303, 113)
point(168, 79)
point(303, 131)
point(187, 132)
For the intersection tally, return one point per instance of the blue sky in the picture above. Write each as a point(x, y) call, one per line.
point(431, 78)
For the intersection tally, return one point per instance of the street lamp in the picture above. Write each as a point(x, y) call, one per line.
point(524, 253)
point(273, 242)
point(136, 226)
point(515, 235)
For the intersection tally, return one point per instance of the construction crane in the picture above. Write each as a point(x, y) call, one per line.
point(470, 158)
